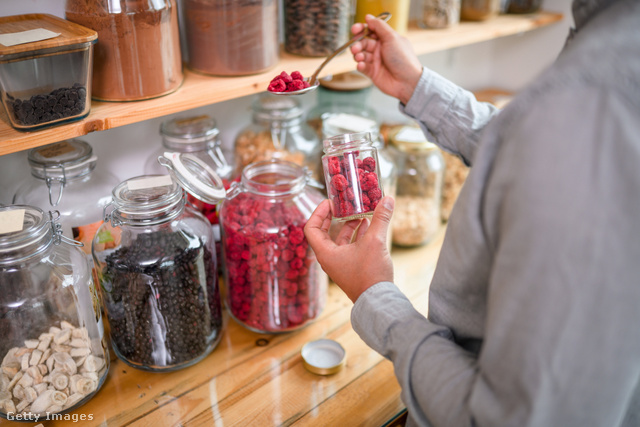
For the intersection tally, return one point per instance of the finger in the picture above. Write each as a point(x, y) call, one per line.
point(317, 228)
point(357, 28)
point(382, 218)
point(380, 28)
point(356, 48)
point(346, 233)
point(364, 226)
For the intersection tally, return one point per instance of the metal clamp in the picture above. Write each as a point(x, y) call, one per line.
point(49, 180)
point(108, 216)
point(56, 229)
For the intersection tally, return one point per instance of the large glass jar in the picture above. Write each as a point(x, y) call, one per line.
point(231, 37)
point(138, 51)
point(439, 13)
point(416, 218)
point(316, 27)
point(399, 10)
point(524, 6)
point(479, 10)
point(53, 354)
point(274, 282)
point(158, 276)
point(65, 176)
point(278, 131)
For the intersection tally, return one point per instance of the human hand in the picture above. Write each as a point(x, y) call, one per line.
point(358, 265)
point(387, 58)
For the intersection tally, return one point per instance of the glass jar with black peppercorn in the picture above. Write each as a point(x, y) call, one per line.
point(159, 277)
point(54, 356)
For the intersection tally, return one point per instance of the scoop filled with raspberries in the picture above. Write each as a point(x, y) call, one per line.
point(352, 185)
point(284, 83)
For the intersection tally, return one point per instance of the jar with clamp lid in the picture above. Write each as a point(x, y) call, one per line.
point(159, 277)
point(416, 218)
point(53, 352)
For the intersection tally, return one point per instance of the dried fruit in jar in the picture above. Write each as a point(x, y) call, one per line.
point(284, 82)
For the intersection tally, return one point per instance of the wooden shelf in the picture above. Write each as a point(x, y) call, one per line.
point(199, 90)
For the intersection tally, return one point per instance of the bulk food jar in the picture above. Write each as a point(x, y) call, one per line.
point(53, 354)
point(138, 51)
point(416, 218)
point(158, 276)
point(273, 280)
point(316, 27)
point(399, 10)
point(479, 10)
point(278, 131)
point(45, 78)
point(439, 13)
point(231, 37)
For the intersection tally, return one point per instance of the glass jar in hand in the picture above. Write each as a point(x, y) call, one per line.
point(159, 278)
point(53, 354)
point(274, 283)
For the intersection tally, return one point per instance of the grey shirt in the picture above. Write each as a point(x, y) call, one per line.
point(534, 307)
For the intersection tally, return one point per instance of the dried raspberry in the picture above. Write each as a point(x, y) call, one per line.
point(365, 200)
point(306, 84)
point(287, 255)
point(350, 196)
point(369, 164)
point(286, 77)
point(296, 75)
point(369, 181)
point(333, 166)
point(301, 251)
point(346, 209)
point(296, 264)
point(374, 194)
point(295, 85)
point(277, 86)
point(339, 182)
point(297, 236)
point(359, 163)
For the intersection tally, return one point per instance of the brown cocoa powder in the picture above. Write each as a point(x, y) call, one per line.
point(231, 37)
point(138, 51)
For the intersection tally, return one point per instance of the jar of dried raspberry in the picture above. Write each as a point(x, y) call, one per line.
point(274, 282)
point(352, 174)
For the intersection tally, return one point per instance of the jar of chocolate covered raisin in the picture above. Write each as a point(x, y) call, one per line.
point(351, 172)
point(274, 282)
point(158, 274)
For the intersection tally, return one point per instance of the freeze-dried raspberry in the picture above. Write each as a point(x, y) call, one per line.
point(296, 75)
point(339, 182)
point(277, 86)
point(287, 255)
point(286, 77)
point(306, 84)
point(369, 181)
point(297, 236)
point(346, 209)
point(374, 194)
point(350, 195)
point(369, 164)
point(301, 251)
point(333, 166)
point(365, 200)
point(295, 85)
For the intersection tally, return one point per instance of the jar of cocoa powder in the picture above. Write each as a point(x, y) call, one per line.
point(138, 51)
point(231, 37)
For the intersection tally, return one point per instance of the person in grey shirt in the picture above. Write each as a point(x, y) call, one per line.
point(534, 307)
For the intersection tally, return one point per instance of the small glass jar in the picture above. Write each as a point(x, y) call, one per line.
point(316, 27)
point(274, 282)
point(399, 10)
point(351, 171)
point(138, 51)
point(524, 6)
point(54, 357)
point(416, 217)
point(158, 277)
point(278, 131)
point(479, 10)
point(439, 14)
point(230, 37)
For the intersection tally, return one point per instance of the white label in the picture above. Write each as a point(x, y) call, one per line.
point(29, 36)
point(351, 123)
point(11, 221)
point(153, 182)
point(411, 134)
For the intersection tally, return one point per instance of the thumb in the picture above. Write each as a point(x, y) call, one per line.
point(380, 28)
point(382, 217)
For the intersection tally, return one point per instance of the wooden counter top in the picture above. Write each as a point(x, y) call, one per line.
point(242, 383)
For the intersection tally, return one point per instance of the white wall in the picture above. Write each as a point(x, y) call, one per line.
point(509, 63)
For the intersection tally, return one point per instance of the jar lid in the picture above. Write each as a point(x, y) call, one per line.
point(66, 158)
point(410, 139)
point(323, 357)
point(146, 194)
point(20, 227)
point(337, 124)
point(346, 82)
point(22, 35)
point(195, 176)
point(273, 107)
point(189, 130)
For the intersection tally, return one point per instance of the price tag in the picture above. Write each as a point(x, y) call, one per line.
point(29, 36)
point(11, 221)
point(153, 182)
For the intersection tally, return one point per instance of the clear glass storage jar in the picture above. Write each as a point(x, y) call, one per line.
point(231, 37)
point(316, 27)
point(138, 51)
point(351, 171)
point(53, 354)
point(158, 278)
point(479, 10)
point(278, 131)
point(399, 10)
point(524, 6)
point(439, 13)
point(45, 82)
point(416, 217)
point(274, 282)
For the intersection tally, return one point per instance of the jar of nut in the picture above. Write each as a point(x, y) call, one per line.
point(53, 352)
point(278, 131)
point(416, 218)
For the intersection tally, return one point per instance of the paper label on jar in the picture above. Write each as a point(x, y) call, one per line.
point(55, 150)
point(153, 182)
point(11, 221)
point(29, 36)
point(351, 123)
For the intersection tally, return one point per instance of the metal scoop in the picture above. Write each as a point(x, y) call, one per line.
point(313, 80)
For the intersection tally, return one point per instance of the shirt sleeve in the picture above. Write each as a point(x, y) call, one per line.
point(450, 116)
point(561, 340)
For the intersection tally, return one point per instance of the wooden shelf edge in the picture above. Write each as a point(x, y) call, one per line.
point(200, 90)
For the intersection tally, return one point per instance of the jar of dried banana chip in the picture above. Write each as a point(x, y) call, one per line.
point(53, 355)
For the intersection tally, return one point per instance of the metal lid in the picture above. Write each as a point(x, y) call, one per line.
point(281, 108)
point(323, 357)
point(410, 139)
point(69, 153)
point(189, 130)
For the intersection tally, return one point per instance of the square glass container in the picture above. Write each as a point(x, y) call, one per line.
point(48, 81)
